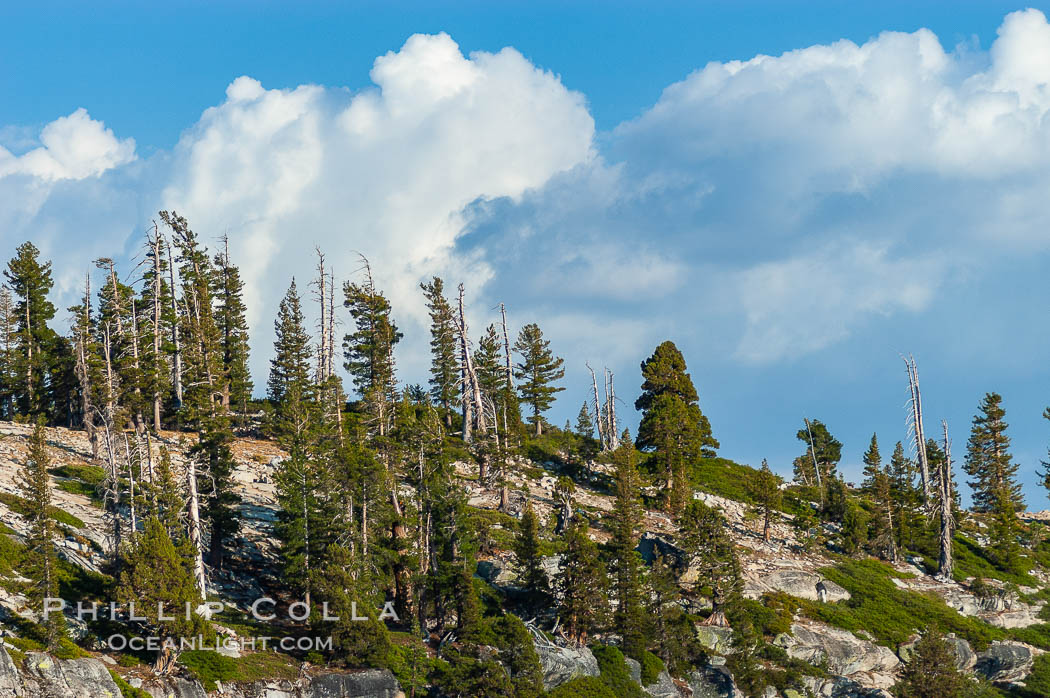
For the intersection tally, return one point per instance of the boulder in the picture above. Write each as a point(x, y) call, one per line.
point(562, 664)
point(374, 683)
point(800, 583)
point(634, 668)
point(47, 677)
point(10, 682)
point(713, 682)
point(174, 688)
point(840, 687)
point(663, 687)
point(844, 653)
point(1005, 662)
point(497, 572)
point(715, 638)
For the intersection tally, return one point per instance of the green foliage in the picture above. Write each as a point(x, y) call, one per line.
point(652, 667)
point(725, 478)
point(887, 612)
point(614, 672)
point(931, 672)
point(583, 687)
point(464, 676)
point(537, 371)
point(706, 541)
point(988, 460)
point(1037, 683)
point(208, 667)
point(769, 616)
point(81, 479)
point(126, 689)
point(19, 506)
point(518, 654)
point(819, 446)
point(527, 552)
point(583, 580)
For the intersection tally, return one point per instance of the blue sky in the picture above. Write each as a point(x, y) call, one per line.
point(793, 223)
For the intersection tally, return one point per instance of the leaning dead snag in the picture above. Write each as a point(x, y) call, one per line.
point(602, 440)
point(916, 427)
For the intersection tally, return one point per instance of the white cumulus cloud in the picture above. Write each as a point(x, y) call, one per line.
point(71, 147)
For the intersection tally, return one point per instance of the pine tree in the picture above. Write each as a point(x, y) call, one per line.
point(625, 563)
point(768, 496)
point(673, 428)
point(289, 385)
point(30, 281)
point(666, 613)
point(931, 672)
point(527, 553)
point(706, 540)
point(582, 580)
point(988, 459)
point(41, 563)
point(825, 448)
point(369, 349)
point(167, 497)
point(233, 330)
point(538, 369)
point(444, 358)
point(906, 496)
point(584, 422)
point(872, 465)
point(157, 574)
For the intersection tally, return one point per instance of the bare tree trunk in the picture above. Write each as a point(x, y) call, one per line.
point(917, 428)
point(322, 354)
point(131, 484)
point(29, 357)
point(471, 394)
point(195, 529)
point(946, 500)
point(610, 410)
point(506, 347)
point(155, 247)
point(177, 362)
point(816, 465)
point(83, 374)
point(602, 441)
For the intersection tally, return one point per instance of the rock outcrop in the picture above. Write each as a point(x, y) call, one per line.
point(43, 676)
point(853, 658)
point(1005, 662)
point(562, 664)
point(797, 582)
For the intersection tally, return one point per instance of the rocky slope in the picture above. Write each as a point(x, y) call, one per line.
point(854, 663)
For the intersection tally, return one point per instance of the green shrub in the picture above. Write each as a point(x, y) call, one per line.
point(614, 672)
point(582, 687)
point(126, 689)
point(723, 477)
point(652, 667)
point(887, 612)
point(18, 506)
point(208, 667)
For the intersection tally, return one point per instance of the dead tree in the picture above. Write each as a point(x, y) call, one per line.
point(155, 242)
point(321, 284)
point(506, 350)
point(602, 441)
point(473, 414)
point(916, 427)
point(176, 366)
point(195, 530)
point(816, 465)
point(82, 370)
point(612, 435)
point(945, 502)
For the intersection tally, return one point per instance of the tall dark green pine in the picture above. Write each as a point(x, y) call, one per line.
point(203, 387)
point(233, 330)
point(582, 580)
point(706, 540)
point(538, 369)
point(625, 563)
point(444, 358)
point(672, 429)
point(872, 460)
point(906, 497)
point(527, 553)
point(368, 350)
point(41, 562)
point(988, 459)
point(30, 282)
point(289, 387)
point(1044, 474)
point(584, 422)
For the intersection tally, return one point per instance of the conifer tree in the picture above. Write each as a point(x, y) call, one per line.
point(706, 540)
point(289, 385)
point(444, 358)
point(30, 281)
point(527, 553)
point(767, 494)
point(167, 497)
point(157, 575)
point(584, 422)
point(872, 460)
point(988, 460)
point(819, 445)
point(906, 496)
point(233, 330)
point(538, 369)
point(582, 580)
point(368, 350)
point(625, 563)
point(931, 672)
point(673, 428)
point(41, 564)
point(881, 536)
